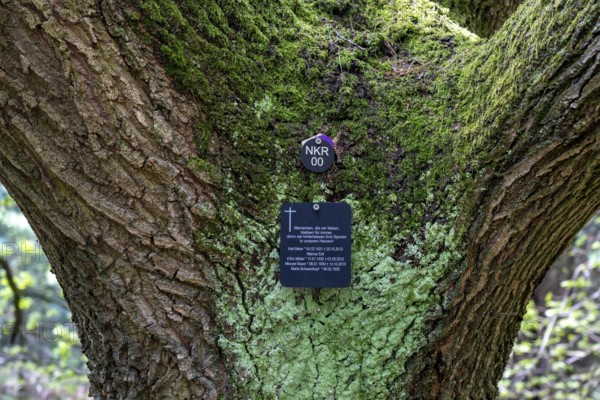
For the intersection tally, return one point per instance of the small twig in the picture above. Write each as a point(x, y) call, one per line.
point(390, 48)
point(16, 300)
point(576, 356)
point(348, 40)
point(594, 337)
point(593, 296)
point(554, 319)
point(57, 301)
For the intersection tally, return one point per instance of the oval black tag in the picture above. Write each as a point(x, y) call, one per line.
point(317, 153)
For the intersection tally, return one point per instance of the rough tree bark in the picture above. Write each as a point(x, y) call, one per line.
point(151, 143)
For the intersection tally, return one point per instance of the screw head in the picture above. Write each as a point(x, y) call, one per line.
point(316, 207)
point(318, 141)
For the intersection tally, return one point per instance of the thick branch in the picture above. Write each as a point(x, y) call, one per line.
point(538, 110)
point(95, 150)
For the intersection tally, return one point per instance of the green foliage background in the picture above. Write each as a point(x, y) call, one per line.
point(44, 361)
point(557, 353)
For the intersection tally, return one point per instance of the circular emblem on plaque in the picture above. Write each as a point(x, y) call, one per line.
point(317, 153)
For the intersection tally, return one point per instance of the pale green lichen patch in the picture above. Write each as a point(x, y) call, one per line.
point(332, 343)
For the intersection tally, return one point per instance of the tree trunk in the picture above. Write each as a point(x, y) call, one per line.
point(151, 144)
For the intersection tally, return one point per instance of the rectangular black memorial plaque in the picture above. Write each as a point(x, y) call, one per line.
point(315, 245)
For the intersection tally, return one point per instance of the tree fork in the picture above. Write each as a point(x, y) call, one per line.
point(146, 141)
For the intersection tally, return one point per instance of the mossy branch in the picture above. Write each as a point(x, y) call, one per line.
point(531, 77)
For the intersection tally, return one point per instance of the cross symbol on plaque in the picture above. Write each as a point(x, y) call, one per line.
point(290, 211)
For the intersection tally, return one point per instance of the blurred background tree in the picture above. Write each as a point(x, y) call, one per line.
point(40, 353)
point(557, 353)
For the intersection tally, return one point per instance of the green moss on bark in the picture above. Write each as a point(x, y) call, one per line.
point(502, 72)
point(373, 77)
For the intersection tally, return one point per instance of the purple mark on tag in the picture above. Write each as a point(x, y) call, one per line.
point(326, 138)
